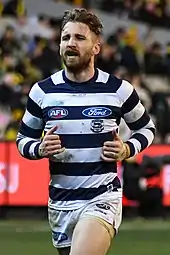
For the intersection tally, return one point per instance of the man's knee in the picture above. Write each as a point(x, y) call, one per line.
point(64, 251)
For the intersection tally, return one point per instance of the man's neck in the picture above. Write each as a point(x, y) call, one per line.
point(82, 76)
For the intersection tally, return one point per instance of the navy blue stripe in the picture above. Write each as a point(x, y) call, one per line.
point(33, 108)
point(30, 132)
point(90, 86)
point(57, 194)
point(47, 85)
point(76, 112)
point(140, 123)
point(130, 103)
point(142, 139)
point(75, 141)
point(26, 149)
point(96, 87)
point(36, 150)
point(82, 169)
point(132, 148)
point(18, 140)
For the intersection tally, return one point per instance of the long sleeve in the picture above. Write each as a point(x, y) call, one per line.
point(137, 119)
point(32, 125)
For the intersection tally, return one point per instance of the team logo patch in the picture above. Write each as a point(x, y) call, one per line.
point(59, 236)
point(97, 112)
point(57, 113)
point(97, 126)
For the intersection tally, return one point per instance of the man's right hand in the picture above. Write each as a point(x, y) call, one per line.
point(50, 144)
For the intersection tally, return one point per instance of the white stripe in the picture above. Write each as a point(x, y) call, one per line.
point(136, 144)
point(36, 94)
point(135, 114)
point(102, 76)
point(79, 155)
point(150, 124)
point(124, 91)
point(57, 78)
point(75, 182)
point(20, 136)
point(32, 121)
point(32, 150)
point(66, 99)
point(22, 144)
point(147, 133)
point(79, 126)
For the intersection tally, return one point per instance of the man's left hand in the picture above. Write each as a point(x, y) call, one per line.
point(115, 150)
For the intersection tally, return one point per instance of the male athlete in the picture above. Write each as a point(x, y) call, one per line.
point(79, 109)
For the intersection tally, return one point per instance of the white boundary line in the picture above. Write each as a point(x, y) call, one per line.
point(42, 226)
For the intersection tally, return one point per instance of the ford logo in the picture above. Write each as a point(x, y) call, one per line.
point(57, 113)
point(97, 112)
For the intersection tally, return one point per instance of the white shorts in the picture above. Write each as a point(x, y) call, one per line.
point(62, 223)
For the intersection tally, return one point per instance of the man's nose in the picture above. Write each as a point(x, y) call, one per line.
point(72, 42)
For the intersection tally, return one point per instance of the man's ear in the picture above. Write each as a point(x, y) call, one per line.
point(96, 49)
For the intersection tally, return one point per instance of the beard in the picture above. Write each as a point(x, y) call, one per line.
point(78, 64)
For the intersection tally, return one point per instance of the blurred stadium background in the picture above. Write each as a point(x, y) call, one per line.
point(136, 47)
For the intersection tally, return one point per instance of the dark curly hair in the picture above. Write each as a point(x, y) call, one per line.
point(83, 16)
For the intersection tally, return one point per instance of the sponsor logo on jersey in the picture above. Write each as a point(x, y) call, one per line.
point(97, 112)
point(57, 113)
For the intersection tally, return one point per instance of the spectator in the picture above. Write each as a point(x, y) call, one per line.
point(142, 92)
point(128, 54)
point(153, 60)
point(43, 54)
point(108, 60)
point(9, 42)
point(14, 8)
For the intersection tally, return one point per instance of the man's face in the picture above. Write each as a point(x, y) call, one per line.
point(78, 46)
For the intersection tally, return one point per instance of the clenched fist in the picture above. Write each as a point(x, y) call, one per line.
point(50, 144)
point(115, 150)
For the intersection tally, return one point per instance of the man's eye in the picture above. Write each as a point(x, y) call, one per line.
point(80, 37)
point(65, 38)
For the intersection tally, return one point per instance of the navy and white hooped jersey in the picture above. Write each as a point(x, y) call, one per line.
point(86, 114)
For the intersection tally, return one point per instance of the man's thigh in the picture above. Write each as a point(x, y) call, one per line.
point(90, 237)
point(96, 227)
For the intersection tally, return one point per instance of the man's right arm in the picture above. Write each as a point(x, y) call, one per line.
point(32, 125)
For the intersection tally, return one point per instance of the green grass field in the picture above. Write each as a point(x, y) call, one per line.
point(136, 237)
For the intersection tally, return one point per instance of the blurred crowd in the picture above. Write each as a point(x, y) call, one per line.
point(29, 51)
point(155, 12)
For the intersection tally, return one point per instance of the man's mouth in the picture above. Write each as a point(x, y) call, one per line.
point(71, 53)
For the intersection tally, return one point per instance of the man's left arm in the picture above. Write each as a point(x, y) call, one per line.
point(137, 119)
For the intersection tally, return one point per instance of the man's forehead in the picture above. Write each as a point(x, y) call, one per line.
point(76, 28)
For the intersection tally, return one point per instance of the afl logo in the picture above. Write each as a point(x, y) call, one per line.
point(96, 112)
point(57, 113)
